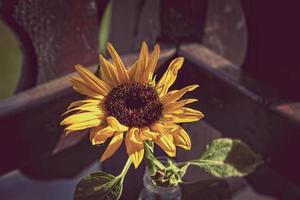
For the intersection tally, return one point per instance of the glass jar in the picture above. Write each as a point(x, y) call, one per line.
point(153, 192)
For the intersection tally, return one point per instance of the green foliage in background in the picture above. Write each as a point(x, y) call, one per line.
point(104, 28)
point(10, 61)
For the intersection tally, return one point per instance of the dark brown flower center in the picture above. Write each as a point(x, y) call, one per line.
point(134, 105)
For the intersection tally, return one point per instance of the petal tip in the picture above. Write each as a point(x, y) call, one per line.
point(78, 67)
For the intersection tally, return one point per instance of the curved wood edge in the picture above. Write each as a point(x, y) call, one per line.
point(30, 120)
point(29, 58)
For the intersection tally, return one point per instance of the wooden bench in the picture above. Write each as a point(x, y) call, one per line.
point(257, 102)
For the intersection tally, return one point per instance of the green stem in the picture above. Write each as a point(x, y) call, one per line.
point(152, 163)
point(125, 169)
point(181, 164)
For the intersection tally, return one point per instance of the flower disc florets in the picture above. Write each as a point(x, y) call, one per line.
point(134, 105)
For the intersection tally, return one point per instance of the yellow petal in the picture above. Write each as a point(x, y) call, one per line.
point(132, 71)
point(181, 138)
point(134, 146)
point(115, 124)
point(124, 78)
point(174, 95)
point(88, 107)
point(165, 140)
point(109, 72)
point(169, 76)
point(83, 125)
point(81, 102)
point(146, 134)
point(113, 146)
point(80, 86)
point(80, 117)
point(99, 135)
point(92, 81)
point(171, 107)
point(94, 130)
point(183, 115)
point(152, 64)
point(141, 64)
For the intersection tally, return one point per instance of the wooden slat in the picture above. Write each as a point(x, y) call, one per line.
point(29, 121)
point(235, 105)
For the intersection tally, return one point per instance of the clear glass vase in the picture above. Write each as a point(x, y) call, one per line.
point(153, 192)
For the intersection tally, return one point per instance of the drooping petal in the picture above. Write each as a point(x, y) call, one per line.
point(115, 124)
point(165, 140)
point(109, 72)
point(146, 134)
point(183, 114)
point(141, 64)
point(94, 130)
point(171, 107)
point(92, 81)
point(181, 138)
point(123, 74)
point(80, 86)
point(166, 143)
point(134, 146)
point(99, 135)
point(113, 146)
point(169, 76)
point(152, 64)
point(174, 95)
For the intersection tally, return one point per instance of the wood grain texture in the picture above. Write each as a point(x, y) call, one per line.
point(30, 120)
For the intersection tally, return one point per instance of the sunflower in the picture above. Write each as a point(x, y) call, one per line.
point(128, 105)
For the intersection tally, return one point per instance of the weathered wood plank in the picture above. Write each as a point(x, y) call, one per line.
point(30, 120)
point(234, 105)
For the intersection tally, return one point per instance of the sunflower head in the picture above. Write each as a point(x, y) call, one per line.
point(126, 104)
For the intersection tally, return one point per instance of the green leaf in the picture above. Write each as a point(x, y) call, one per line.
point(10, 61)
point(228, 157)
point(213, 189)
point(105, 27)
point(99, 186)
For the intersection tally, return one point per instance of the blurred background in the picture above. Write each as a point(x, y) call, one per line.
point(242, 53)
